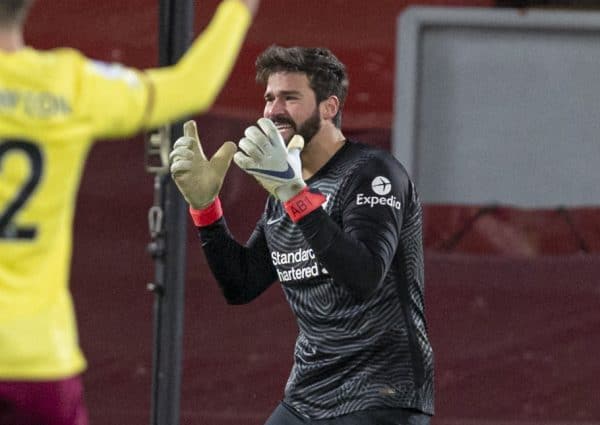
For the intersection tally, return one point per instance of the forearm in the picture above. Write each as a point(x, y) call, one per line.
point(191, 85)
point(347, 260)
point(243, 273)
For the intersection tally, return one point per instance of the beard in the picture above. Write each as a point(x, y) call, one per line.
point(307, 129)
point(310, 127)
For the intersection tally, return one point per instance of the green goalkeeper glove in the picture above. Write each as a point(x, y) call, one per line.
point(198, 179)
point(264, 155)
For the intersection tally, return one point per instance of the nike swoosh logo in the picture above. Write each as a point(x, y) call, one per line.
point(287, 174)
point(275, 220)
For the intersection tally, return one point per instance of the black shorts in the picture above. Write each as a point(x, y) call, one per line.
point(285, 415)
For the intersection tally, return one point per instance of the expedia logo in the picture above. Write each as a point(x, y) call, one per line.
point(381, 186)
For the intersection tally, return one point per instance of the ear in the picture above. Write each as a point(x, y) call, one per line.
point(330, 107)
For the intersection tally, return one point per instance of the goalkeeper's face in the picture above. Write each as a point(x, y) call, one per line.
point(291, 104)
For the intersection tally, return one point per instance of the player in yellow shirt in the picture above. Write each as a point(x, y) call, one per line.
point(53, 105)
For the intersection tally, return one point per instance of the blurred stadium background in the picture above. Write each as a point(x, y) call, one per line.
point(512, 293)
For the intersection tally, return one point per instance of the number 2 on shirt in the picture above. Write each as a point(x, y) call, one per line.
point(16, 201)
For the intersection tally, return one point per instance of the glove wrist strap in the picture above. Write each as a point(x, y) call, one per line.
point(208, 215)
point(303, 203)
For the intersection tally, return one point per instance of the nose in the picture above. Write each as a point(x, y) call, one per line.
point(274, 108)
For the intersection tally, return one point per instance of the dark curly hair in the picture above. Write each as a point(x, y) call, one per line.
point(14, 11)
point(326, 74)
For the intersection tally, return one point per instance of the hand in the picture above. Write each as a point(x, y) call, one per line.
point(263, 154)
point(198, 179)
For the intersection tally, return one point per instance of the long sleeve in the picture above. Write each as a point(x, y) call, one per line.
point(359, 254)
point(242, 271)
point(191, 85)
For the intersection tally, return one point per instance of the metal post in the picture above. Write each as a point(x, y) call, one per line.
point(168, 223)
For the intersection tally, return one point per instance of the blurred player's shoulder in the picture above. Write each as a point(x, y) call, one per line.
point(42, 58)
point(38, 69)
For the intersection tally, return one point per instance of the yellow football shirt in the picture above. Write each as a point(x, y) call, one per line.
point(52, 105)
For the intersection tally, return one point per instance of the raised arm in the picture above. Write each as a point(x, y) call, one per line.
point(192, 84)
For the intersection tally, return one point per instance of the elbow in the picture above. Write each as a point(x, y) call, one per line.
point(235, 298)
point(238, 295)
point(364, 284)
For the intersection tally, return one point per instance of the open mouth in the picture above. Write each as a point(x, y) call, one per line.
point(282, 127)
point(284, 124)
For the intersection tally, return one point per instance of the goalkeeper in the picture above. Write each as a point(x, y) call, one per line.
point(54, 105)
point(341, 232)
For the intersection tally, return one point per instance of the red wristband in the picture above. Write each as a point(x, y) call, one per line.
point(207, 215)
point(303, 203)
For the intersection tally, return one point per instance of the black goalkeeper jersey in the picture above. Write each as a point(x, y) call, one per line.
point(352, 272)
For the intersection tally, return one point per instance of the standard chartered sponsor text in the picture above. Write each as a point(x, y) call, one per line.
point(281, 258)
point(295, 257)
point(298, 274)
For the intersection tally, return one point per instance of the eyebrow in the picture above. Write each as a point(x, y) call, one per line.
point(283, 93)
